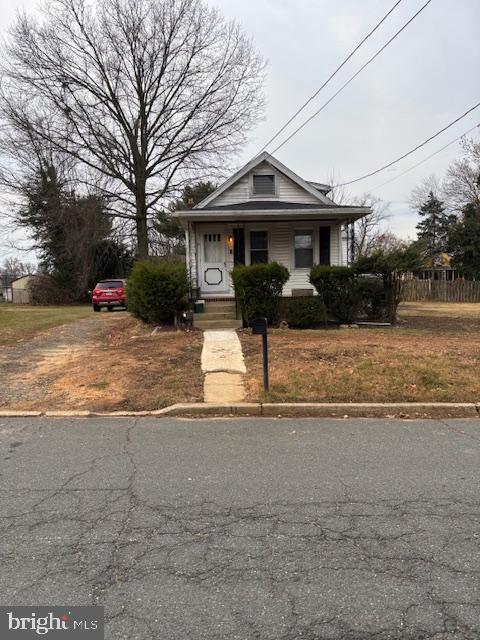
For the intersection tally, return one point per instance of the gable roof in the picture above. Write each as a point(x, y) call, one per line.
point(262, 157)
point(324, 188)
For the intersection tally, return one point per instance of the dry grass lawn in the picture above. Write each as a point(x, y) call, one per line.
point(104, 362)
point(132, 370)
point(19, 322)
point(432, 355)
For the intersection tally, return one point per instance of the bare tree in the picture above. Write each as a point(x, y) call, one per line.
point(338, 193)
point(462, 183)
point(368, 230)
point(420, 194)
point(14, 267)
point(145, 94)
point(386, 241)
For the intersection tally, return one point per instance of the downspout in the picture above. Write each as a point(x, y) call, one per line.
point(352, 247)
point(187, 255)
point(347, 233)
point(196, 257)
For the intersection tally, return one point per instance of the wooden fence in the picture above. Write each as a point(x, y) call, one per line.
point(441, 290)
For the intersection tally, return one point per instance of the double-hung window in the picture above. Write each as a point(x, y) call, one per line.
point(258, 247)
point(303, 246)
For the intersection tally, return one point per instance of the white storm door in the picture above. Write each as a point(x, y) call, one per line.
point(214, 266)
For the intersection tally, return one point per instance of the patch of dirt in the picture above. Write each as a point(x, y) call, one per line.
point(109, 361)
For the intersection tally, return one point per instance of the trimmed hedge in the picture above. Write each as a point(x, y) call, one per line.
point(157, 290)
point(338, 289)
point(258, 289)
point(301, 313)
point(373, 298)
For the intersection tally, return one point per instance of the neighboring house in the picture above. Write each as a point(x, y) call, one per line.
point(20, 288)
point(442, 270)
point(437, 273)
point(265, 213)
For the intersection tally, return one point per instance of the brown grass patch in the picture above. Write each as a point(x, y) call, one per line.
point(127, 369)
point(434, 355)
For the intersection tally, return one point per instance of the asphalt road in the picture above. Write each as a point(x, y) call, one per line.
point(246, 529)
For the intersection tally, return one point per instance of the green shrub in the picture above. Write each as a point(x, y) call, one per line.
point(373, 299)
point(389, 266)
point(338, 289)
point(157, 290)
point(258, 289)
point(305, 312)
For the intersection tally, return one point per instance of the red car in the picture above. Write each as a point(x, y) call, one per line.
point(109, 293)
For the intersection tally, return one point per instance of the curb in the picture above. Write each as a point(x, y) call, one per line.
point(402, 410)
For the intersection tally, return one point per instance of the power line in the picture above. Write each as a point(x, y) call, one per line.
point(408, 153)
point(313, 96)
point(425, 159)
point(354, 76)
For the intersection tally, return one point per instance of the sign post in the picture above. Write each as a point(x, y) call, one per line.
point(259, 327)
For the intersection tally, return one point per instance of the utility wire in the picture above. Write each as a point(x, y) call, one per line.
point(313, 96)
point(425, 159)
point(408, 153)
point(369, 61)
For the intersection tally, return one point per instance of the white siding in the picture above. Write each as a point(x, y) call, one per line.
point(335, 249)
point(287, 190)
point(280, 249)
point(238, 192)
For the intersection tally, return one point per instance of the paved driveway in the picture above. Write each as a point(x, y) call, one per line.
point(265, 529)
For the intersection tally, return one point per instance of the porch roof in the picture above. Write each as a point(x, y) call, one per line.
point(273, 210)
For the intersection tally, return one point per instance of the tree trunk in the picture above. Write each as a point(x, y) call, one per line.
point(141, 222)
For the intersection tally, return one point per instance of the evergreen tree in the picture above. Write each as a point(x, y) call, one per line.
point(170, 233)
point(464, 242)
point(70, 232)
point(111, 260)
point(433, 228)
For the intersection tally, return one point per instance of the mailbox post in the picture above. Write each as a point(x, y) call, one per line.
point(259, 328)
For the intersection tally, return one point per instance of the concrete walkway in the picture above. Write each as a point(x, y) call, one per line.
point(223, 366)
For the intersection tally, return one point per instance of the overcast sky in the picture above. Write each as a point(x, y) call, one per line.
point(428, 76)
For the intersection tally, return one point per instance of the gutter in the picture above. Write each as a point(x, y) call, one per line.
point(276, 215)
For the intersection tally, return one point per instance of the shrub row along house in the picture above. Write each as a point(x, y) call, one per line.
point(264, 213)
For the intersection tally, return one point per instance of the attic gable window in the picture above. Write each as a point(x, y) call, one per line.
point(263, 185)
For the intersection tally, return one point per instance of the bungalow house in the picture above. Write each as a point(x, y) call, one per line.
point(264, 212)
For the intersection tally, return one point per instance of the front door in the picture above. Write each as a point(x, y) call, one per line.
point(213, 263)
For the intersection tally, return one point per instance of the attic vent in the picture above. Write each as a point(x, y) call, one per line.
point(264, 185)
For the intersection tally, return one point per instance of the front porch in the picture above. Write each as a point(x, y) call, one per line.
point(214, 249)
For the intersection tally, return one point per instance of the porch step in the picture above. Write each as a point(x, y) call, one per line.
point(215, 315)
point(220, 306)
point(217, 324)
point(220, 314)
